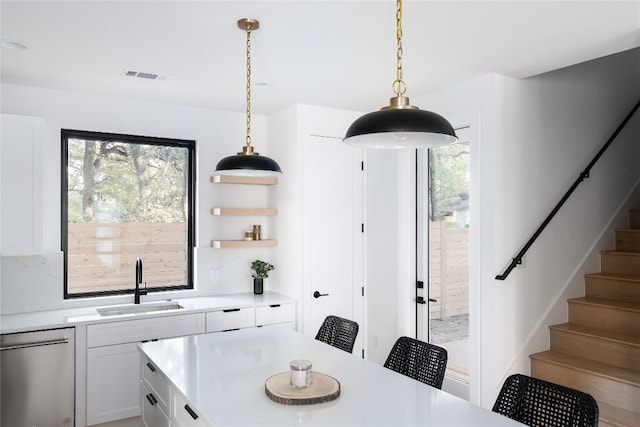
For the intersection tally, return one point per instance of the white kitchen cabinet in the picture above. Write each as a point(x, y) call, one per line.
point(230, 319)
point(184, 414)
point(144, 330)
point(152, 413)
point(113, 362)
point(157, 384)
point(113, 374)
point(21, 179)
point(275, 314)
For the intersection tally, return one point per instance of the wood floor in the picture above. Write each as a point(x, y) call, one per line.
point(598, 350)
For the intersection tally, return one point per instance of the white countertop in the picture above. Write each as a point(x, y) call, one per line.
point(87, 315)
point(223, 376)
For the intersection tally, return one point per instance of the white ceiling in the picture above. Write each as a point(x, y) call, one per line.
point(330, 53)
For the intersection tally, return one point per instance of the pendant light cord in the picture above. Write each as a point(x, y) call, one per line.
point(399, 86)
point(248, 139)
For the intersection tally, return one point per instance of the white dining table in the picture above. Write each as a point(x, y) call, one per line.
point(222, 376)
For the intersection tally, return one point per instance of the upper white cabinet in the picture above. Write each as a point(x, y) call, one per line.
point(21, 179)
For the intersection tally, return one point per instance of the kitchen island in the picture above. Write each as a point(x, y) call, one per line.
point(219, 380)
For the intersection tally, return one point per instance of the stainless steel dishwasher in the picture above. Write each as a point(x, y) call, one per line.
point(37, 376)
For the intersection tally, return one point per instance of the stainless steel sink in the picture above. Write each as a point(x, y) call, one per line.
point(117, 310)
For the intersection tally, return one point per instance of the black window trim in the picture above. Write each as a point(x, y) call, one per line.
point(190, 145)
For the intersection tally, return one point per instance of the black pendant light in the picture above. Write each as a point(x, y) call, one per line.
point(248, 162)
point(400, 125)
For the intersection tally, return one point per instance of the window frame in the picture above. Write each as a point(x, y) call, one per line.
point(190, 145)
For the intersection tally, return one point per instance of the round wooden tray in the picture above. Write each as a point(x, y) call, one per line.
point(323, 389)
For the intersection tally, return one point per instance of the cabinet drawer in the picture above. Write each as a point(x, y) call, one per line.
point(225, 320)
point(152, 413)
point(144, 329)
point(156, 383)
point(271, 314)
point(184, 414)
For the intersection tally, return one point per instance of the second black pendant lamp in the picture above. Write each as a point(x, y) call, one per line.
point(248, 162)
point(400, 125)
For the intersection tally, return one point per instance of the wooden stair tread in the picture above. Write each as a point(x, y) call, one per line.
point(615, 276)
point(621, 253)
point(588, 366)
point(618, 416)
point(614, 304)
point(628, 339)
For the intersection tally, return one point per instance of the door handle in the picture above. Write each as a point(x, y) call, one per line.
point(317, 294)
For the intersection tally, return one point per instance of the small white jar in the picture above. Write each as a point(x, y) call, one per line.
point(300, 372)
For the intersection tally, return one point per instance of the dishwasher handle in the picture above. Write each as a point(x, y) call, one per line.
point(36, 344)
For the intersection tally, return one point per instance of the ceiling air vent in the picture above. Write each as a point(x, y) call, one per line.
point(144, 75)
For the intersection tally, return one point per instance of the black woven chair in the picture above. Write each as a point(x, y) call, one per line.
point(418, 360)
point(338, 332)
point(535, 402)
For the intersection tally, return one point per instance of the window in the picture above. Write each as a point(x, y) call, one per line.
point(126, 197)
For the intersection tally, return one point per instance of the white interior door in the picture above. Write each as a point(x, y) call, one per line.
point(333, 244)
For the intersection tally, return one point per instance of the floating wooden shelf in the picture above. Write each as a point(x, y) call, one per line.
point(244, 211)
point(254, 180)
point(232, 244)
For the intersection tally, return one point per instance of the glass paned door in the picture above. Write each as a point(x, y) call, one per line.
point(443, 251)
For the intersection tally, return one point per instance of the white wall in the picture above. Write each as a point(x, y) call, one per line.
point(537, 135)
point(35, 283)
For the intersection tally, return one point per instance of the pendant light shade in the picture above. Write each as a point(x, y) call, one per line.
point(400, 128)
point(400, 125)
point(248, 165)
point(248, 162)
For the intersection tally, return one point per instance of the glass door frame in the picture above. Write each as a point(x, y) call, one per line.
point(472, 391)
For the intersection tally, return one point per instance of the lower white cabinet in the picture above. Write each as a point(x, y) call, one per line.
point(121, 385)
point(249, 317)
point(152, 413)
point(162, 405)
point(231, 319)
point(113, 362)
point(183, 414)
point(275, 314)
point(110, 370)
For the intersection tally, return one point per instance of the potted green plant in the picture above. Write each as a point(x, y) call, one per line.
point(261, 271)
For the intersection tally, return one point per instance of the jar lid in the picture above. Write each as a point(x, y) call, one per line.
point(300, 365)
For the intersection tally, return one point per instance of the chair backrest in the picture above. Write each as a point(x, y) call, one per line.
point(338, 332)
point(536, 402)
point(419, 360)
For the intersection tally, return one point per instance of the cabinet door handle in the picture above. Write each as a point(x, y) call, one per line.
point(190, 411)
point(274, 305)
point(229, 310)
point(151, 367)
point(152, 399)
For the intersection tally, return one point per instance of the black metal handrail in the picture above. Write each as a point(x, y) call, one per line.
point(517, 260)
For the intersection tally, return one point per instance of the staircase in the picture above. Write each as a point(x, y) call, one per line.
point(598, 350)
